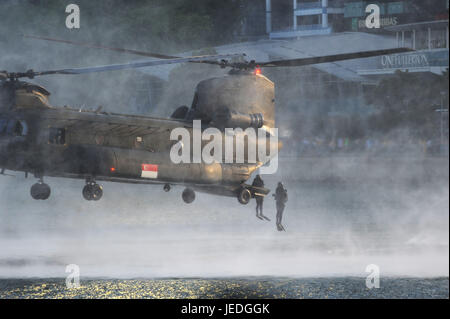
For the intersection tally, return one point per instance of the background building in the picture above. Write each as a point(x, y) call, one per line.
point(331, 98)
point(294, 18)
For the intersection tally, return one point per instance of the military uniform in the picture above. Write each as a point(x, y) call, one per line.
point(281, 198)
point(258, 182)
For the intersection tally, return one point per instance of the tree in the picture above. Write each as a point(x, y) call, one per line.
point(408, 101)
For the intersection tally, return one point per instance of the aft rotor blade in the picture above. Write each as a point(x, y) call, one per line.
point(332, 58)
point(135, 65)
point(95, 46)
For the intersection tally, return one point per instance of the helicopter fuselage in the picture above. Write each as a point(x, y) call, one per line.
point(92, 145)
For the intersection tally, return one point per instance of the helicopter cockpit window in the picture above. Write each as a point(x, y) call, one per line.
point(194, 101)
point(21, 128)
point(57, 136)
point(13, 127)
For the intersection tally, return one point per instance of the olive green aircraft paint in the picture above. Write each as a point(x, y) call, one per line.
point(38, 138)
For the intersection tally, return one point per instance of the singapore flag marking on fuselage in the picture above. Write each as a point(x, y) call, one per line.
point(149, 171)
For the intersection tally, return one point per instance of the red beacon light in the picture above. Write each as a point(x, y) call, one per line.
point(258, 70)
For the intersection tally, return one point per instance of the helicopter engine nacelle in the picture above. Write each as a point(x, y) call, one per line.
point(232, 119)
point(238, 100)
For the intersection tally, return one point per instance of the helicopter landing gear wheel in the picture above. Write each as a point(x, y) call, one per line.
point(40, 191)
point(188, 195)
point(92, 191)
point(244, 196)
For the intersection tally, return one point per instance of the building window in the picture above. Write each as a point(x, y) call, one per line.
point(57, 136)
point(438, 39)
point(354, 10)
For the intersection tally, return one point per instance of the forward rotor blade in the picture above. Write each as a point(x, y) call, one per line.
point(332, 58)
point(95, 46)
point(122, 50)
point(132, 65)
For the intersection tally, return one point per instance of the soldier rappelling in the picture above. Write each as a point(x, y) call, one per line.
point(281, 198)
point(258, 182)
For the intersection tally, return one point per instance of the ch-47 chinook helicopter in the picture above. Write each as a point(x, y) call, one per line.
point(45, 140)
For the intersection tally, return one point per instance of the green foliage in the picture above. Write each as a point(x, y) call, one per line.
point(166, 26)
point(408, 100)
